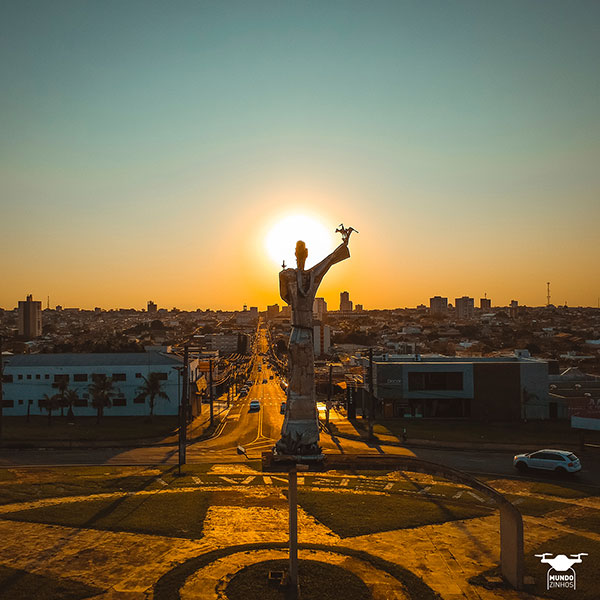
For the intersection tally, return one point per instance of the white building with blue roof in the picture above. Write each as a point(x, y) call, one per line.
point(28, 377)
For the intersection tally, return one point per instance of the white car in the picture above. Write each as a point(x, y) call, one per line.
point(559, 461)
point(254, 405)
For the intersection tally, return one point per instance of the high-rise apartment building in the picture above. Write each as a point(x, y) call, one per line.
point(514, 309)
point(345, 302)
point(319, 309)
point(152, 308)
point(465, 308)
point(438, 305)
point(272, 311)
point(485, 304)
point(30, 318)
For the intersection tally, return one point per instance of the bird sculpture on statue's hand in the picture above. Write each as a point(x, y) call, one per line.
point(345, 231)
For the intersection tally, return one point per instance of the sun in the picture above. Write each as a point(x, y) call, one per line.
point(280, 241)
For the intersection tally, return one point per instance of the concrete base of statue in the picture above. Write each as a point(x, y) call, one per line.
point(299, 437)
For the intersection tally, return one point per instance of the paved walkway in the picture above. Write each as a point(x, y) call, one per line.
point(127, 565)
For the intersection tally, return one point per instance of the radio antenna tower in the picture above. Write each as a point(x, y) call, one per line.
point(548, 296)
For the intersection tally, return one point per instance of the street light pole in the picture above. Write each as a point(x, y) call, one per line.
point(210, 379)
point(371, 403)
point(183, 410)
point(1, 389)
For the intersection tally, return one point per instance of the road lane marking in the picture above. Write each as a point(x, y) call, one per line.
point(162, 482)
point(457, 495)
point(197, 480)
point(248, 479)
point(388, 486)
point(267, 480)
point(344, 482)
point(425, 489)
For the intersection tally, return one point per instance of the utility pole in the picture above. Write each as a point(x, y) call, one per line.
point(210, 383)
point(371, 407)
point(328, 404)
point(1, 389)
point(183, 410)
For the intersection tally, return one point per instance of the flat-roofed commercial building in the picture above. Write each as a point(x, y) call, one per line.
point(498, 389)
point(27, 377)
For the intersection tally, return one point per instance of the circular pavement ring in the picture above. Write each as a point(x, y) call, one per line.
point(171, 585)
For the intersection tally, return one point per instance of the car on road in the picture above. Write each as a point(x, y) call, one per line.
point(243, 393)
point(558, 461)
point(254, 405)
point(282, 408)
point(264, 381)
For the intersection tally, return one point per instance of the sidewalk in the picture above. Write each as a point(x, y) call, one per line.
point(343, 427)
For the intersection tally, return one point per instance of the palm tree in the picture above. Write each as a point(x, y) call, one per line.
point(151, 389)
point(101, 391)
point(70, 398)
point(50, 403)
point(62, 385)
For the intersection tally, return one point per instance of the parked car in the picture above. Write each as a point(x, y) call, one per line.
point(254, 405)
point(282, 408)
point(243, 393)
point(559, 461)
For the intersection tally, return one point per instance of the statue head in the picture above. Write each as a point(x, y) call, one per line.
point(301, 253)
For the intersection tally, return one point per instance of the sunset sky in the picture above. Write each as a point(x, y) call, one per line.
point(148, 149)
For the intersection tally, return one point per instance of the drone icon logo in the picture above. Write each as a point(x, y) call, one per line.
point(561, 573)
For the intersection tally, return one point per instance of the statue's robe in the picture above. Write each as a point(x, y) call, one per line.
point(300, 430)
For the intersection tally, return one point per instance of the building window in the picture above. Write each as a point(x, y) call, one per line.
point(29, 376)
point(138, 375)
point(20, 377)
point(46, 376)
point(119, 377)
point(139, 400)
point(58, 378)
point(435, 380)
point(8, 403)
point(86, 396)
point(119, 402)
point(37, 375)
point(80, 377)
point(20, 402)
point(162, 376)
point(7, 379)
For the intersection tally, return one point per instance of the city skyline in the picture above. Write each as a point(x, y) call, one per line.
point(151, 150)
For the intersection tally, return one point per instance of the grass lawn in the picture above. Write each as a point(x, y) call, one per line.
point(170, 514)
point(317, 580)
point(552, 433)
point(562, 491)
point(350, 515)
point(590, 521)
point(22, 485)
point(586, 572)
point(16, 584)
point(16, 429)
point(535, 507)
